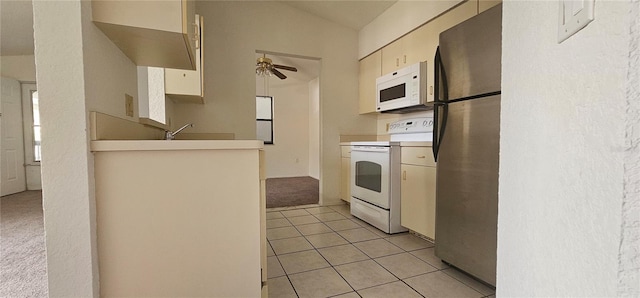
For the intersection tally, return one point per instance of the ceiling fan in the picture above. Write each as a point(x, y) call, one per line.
point(265, 66)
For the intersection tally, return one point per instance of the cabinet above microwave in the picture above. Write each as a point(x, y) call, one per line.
point(159, 33)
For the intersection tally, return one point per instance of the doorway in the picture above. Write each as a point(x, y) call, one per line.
point(293, 151)
point(12, 143)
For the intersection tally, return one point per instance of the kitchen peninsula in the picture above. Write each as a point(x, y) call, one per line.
point(180, 218)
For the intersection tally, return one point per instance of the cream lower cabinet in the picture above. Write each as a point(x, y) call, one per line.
point(180, 222)
point(345, 174)
point(418, 190)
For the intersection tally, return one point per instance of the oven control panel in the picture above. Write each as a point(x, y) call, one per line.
point(414, 125)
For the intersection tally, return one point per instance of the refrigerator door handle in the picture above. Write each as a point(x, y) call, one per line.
point(438, 132)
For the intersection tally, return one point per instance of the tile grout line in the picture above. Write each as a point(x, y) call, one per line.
point(443, 270)
point(325, 259)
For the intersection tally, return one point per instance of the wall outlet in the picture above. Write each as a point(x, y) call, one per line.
point(128, 105)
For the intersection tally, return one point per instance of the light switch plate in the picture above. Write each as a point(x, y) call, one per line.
point(573, 15)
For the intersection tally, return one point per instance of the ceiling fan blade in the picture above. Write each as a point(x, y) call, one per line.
point(289, 68)
point(278, 74)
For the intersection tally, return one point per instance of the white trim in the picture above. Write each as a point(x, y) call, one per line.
point(27, 118)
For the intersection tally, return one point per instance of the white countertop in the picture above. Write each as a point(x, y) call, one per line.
point(402, 144)
point(162, 145)
point(415, 144)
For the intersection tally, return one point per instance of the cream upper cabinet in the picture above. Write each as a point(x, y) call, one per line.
point(486, 4)
point(188, 85)
point(418, 190)
point(403, 52)
point(370, 70)
point(393, 56)
point(345, 173)
point(422, 43)
point(160, 33)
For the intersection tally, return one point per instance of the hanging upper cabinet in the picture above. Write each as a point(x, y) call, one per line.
point(187, 85)
point(158, 33)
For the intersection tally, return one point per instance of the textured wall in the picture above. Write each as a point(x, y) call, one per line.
point(563, 152)
point(231, 39)
point(65, 150)
point(21, 68)
point(289, 154)
point(79, 70)
point(629, 271)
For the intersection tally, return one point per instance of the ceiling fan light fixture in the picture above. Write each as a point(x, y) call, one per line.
point(265, 67)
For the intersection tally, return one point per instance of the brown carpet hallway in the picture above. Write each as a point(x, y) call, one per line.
point(23, 261)
point(292, 191)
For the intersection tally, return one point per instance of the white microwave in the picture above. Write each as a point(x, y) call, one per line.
point(402, 89)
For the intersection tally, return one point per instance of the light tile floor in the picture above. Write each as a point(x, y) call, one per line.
point(326, 252)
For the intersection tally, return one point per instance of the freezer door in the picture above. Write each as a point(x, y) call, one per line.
point(471, 54)
point(467, 187)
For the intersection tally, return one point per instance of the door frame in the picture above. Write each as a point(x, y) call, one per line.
point(32, 167)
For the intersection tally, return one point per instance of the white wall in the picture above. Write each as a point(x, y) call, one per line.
point(231, 40)
point(78, 70)
point(314, 128)
point(288, 156)
point(398, 20)
point(21, 68)
point(563, 148)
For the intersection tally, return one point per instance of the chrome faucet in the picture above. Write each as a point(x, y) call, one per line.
point(172, 135)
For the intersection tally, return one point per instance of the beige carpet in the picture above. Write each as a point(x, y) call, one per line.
point(23, 263)
point(292, 191)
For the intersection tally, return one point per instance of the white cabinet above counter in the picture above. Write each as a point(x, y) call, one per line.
point(159, 33)
point(188, 85)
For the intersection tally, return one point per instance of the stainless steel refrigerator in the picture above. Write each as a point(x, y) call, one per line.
point(466, 143)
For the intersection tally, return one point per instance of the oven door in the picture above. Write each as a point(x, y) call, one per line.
point(370, 167)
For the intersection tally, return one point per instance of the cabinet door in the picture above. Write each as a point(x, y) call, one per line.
point(391, 56)
point(427, 37)
point(486, 4)
point(345, 179)
point(418, 199)
point(187, 85)
point(417, 45)
point(369, 72)
point(155, 33)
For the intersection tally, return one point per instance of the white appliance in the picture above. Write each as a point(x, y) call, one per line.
point(402, 89)
point(375, 174)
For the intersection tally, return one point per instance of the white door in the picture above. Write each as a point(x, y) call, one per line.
point(11, 143)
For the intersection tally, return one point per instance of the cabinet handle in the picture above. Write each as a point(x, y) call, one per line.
point(404, 175)
point(421, 156)
point(430, 90)
point(397, 61)
point(196, 35)
point(405, 59)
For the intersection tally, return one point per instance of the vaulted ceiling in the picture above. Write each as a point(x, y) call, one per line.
point(16, 19)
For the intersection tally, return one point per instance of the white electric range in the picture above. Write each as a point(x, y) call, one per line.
point(375, 174)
